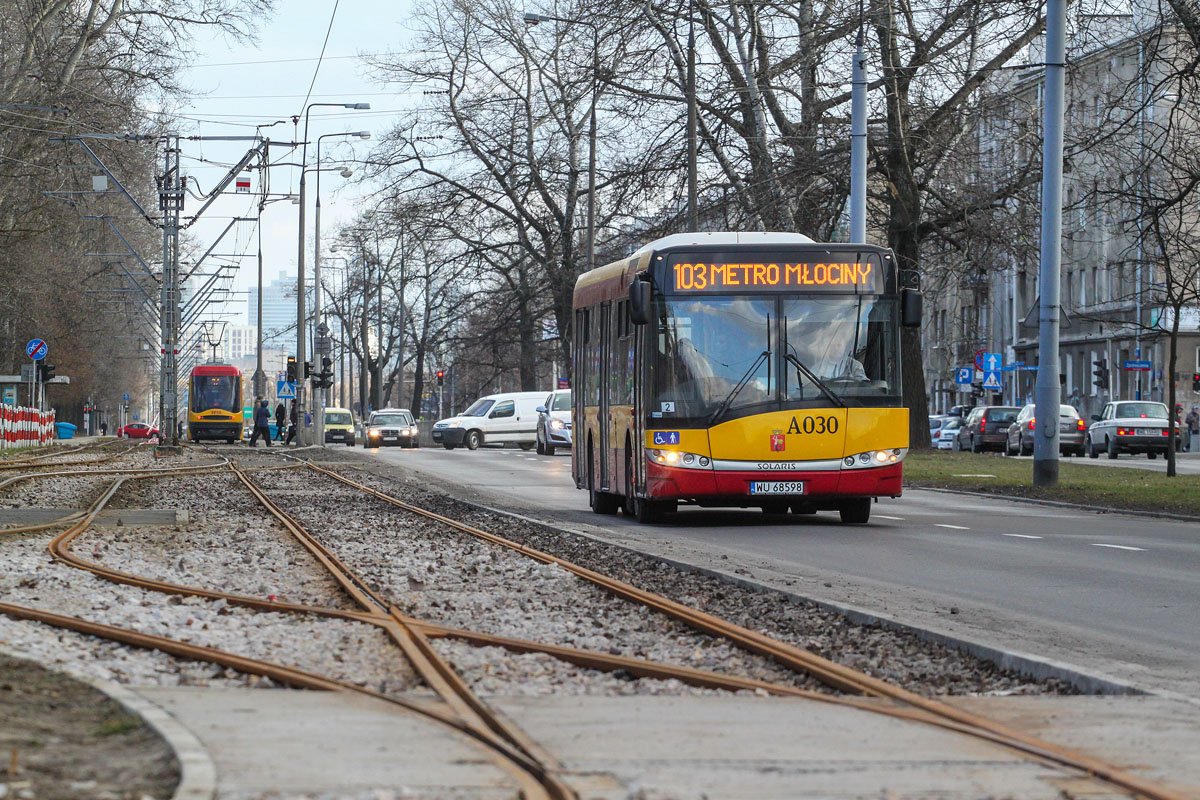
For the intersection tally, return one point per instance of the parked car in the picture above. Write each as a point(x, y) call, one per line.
point(494, 419)
point(554, 422)
point(948, 434)
point(1129, 426)
point(137, 430)
point(392, 426)
point(959, 411)
point(987, 427)
point(1071, 431)
point(339, 426)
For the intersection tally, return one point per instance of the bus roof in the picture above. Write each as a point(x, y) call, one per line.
point(718, 238)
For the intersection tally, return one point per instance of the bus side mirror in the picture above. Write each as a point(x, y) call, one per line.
point(910, 307)
point(639, 301)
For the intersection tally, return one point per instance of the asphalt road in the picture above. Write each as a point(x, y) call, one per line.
point(1114, 594)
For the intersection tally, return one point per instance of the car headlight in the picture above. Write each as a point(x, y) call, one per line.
point(875, 458)
point(557, 424)
point(675, 458)
point(454, 424)
point(373, 432)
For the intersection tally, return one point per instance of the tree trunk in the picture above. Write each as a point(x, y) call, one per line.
point(1172, 349)
point(526, 331)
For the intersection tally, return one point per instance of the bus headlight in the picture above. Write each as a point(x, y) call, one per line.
point(675, 458)
point(875, 458)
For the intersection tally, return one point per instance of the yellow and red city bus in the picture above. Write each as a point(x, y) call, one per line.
point(215, 403)
point(741, 369)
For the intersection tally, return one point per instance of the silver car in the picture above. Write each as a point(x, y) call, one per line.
point(1130, 426)
point(1071, 432)
point(947, 434)
point(554, 422)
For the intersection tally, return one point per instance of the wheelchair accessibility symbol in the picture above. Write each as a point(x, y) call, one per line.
point(666, 437)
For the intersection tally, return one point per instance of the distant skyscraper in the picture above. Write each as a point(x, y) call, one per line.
point(279, 311)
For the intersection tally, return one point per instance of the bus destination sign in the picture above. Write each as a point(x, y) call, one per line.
point(833, 273)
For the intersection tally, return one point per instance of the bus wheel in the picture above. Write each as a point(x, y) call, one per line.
point(648, 512)
point(857, 511)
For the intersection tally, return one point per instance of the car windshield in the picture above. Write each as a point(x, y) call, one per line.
point(1157, 410)
point(1001, 414)
point(952, 424)
point(211, 392)
point(479, 408)
point(562, 402)
point(723, 357)
point(337, 418)
point(389, 419)
point(1068, 412)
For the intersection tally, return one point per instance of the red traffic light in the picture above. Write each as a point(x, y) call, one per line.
point(441, 373)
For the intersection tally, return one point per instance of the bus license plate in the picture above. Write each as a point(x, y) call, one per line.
point(776, 487)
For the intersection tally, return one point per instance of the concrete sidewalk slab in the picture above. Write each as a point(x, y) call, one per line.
point(284, 743)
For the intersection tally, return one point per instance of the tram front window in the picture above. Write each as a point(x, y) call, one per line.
point(211, 392)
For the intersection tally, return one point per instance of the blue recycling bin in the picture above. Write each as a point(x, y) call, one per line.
point(64, 430)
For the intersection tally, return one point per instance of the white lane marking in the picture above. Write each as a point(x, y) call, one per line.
point(885, 516)
point(1120, 547)
point(951, 527)
point(1021, 536)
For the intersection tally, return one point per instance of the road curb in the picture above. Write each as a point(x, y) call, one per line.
point(197, 772)
point(1026, 664)
point(1059, 503)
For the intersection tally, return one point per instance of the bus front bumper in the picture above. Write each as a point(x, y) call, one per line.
point(708, 487)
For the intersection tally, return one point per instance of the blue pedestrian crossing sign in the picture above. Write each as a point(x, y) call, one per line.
point(285, 390)
point(991, 379)
point(992, 362)
point(964, 375)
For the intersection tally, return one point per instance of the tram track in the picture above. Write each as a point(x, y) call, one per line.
point(535, 770)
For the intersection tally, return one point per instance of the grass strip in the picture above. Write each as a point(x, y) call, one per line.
point(1079, 482)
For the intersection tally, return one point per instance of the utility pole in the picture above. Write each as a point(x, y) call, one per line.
point(858, 143)
point(170, 203)
point(1046, 390)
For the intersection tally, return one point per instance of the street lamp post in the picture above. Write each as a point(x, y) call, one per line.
point(260, 377)
point(536, 19)
point(319, 398)
point(301, 317)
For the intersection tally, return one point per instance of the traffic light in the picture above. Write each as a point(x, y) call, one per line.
point(441, 377)
point(324, 378)
point(308, 369)
point(291, 369)
point(45, 371)
point(1196, 381)
point(1100, 371)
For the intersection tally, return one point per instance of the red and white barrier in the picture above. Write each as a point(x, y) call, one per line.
point(25, 427)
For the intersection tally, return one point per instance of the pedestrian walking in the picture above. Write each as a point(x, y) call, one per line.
point(280, 420)
point(294, 416)
point(262, 424)
point(104, 429)
point(1192, 429)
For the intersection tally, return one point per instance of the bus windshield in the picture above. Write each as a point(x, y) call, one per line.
point(724, 357)
point(210, 392)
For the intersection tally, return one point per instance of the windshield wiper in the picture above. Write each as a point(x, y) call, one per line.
point(741, 384)
point(802, 368)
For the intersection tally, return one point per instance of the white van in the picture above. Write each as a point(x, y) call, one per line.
point(495, 419)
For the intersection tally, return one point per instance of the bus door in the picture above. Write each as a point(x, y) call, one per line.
point(580, 387)
point(605, 373)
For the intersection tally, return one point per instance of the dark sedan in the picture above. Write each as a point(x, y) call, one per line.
point(1071, 431)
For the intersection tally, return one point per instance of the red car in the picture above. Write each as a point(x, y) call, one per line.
point(137, 430)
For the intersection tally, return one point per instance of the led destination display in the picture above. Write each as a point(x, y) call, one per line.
point(840, 272)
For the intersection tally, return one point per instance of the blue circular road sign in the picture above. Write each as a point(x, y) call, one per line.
point(36, 349)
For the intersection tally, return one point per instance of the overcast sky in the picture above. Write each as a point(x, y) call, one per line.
point(240, 86)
